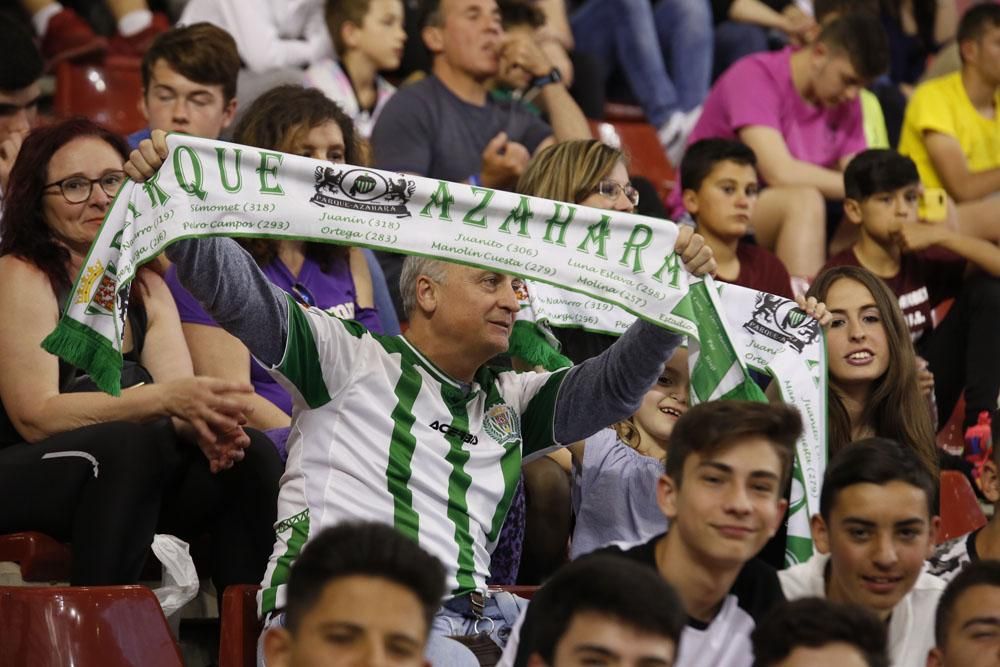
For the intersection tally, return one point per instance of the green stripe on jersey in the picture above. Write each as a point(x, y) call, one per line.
point(299, 527)
point(401, 448)
point(301, 364)
point(459, 482)
point(510, 466)
point(510, 462)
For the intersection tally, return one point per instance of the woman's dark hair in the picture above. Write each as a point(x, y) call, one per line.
point(23, 230)
point(895, 407)
point(272, 122)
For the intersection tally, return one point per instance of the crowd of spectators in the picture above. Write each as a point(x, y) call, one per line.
point(277, 395)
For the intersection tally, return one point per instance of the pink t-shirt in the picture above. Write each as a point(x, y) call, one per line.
point(758, 90)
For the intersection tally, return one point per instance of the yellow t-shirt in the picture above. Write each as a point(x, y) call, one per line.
point(874, 120)
point(942, 105)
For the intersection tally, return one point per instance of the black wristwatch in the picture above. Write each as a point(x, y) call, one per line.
point(552, 77)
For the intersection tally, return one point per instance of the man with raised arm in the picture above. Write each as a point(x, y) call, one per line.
point(414, 431)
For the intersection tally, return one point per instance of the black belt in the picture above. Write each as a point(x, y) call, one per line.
point(470, 604)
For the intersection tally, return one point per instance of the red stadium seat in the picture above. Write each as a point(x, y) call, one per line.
point(41, 558)
point(960, 511)
point(107, 626)
point(108, 93)
point(240, 627)
point(638, 140)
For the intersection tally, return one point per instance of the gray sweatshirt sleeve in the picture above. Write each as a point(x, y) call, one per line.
point(227, 282)
point(610, 387)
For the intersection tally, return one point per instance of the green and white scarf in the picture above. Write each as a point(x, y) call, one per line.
point(612, 263)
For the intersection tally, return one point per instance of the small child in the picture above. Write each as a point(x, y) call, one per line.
point(368, 36)
point(615, 471)
point(953, 556)
point(925, 264)
point(719, 177)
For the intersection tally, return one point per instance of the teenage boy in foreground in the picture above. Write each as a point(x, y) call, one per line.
point(818, 633)
point(983, 543)
point(720, 193)
point(875, 528)
point(967, 626)
point(605, 610)
point(358, 594)
point(723, 492)
point(924, 264)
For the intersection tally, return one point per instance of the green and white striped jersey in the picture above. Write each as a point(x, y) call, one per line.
point(380, 434)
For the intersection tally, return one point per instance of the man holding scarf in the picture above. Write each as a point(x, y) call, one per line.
point(415, 430)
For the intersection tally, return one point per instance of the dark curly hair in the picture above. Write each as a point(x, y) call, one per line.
point(23, 230)
point(271, 123)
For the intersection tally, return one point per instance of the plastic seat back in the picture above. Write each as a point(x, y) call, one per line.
point(109, 93)
point(240, 627)
point(101, 626)
point(40, 558)
point(960, 510)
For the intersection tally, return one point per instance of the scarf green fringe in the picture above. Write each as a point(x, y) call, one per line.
point(83, 347)
point(530, 344)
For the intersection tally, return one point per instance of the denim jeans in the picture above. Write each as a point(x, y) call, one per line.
point(734, 40)
point(665, 51)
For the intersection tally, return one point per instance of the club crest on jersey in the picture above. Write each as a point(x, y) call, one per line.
point(781, 320)
point(502, 424)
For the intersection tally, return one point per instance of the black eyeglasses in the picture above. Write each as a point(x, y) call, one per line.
point(77, 189)
point(303, 295)
point(610, 189)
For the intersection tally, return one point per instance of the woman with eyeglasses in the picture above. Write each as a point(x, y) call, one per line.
point(302, 121)
point(589, 173)
point(102, 472)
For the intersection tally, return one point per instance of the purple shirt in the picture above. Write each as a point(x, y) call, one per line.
point(333, 292)
point(758, 90)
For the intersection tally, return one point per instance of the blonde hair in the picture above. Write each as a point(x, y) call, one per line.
point(569, 171)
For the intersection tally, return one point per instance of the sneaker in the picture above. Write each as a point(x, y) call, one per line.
point(136, 45)
point(69, 37)
point(675, 132)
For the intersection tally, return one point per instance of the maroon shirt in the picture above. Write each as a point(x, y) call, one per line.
point(925, 279)
point(761, 270)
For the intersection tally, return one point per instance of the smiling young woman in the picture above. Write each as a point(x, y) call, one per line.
point(872, 365)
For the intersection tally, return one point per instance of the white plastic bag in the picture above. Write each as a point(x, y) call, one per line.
point(180, 579)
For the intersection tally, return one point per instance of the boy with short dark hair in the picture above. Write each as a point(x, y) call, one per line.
point(723, 492)
point(368, 37)
point(983, 543)
point(189, 82)
point(603, 608)
point(967, 624)
point(875, 528)
point(925, 264)
point(819, 633)
point(369, 586)
point(719, 177)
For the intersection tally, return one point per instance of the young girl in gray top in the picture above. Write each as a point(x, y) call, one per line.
point(615, 470)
